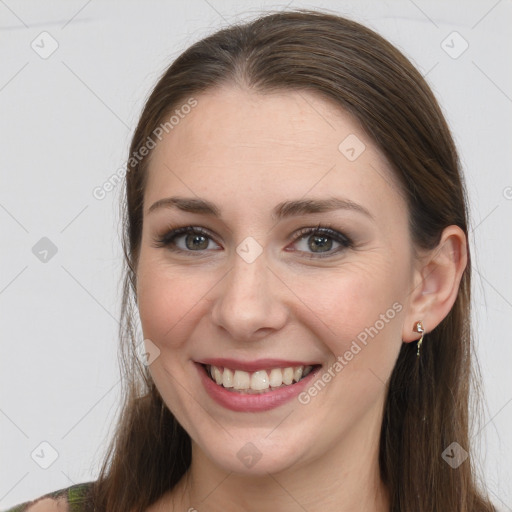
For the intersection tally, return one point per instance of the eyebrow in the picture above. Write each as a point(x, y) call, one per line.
point(281, 211)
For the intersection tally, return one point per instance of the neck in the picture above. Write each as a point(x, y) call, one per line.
point(345, 478)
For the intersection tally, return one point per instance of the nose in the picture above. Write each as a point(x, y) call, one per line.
point(249, 303)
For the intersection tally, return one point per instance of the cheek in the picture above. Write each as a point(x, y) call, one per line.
point(364, 314)
point(172, 302)
point(165, 299)
point(360, 309)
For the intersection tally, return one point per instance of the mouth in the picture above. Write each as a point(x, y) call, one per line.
point(255, 386)
point(261, 381)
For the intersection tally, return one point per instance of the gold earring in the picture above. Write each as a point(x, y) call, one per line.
point(418, 327)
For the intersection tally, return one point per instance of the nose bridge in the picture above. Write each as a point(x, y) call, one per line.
point(248, 301)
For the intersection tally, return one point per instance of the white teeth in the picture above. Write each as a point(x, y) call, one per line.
point(241, 380)
point(288, 375)
point(276, 377)
point(260, 380)
point(227, 378)
point(217, 375)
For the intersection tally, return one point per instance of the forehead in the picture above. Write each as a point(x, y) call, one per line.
point(246, 150)
point(230, 122)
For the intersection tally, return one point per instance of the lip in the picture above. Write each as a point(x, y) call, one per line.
point(253, 365)
point(240, 402)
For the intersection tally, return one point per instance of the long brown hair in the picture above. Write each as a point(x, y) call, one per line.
point(429, 400)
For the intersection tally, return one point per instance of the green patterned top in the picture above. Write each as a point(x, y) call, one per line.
point(76, 497)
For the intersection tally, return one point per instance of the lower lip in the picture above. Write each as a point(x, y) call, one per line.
point(240, 402)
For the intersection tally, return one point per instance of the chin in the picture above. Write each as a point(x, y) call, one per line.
point(253, 459)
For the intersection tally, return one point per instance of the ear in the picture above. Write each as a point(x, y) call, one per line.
point(436, 283)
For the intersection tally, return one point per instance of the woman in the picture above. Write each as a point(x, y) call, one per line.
point(297, 252)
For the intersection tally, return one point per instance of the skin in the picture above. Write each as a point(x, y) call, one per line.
point(247, 152)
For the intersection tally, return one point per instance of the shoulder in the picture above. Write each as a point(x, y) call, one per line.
point(70, 499)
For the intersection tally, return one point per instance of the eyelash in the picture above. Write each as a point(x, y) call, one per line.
point(167, 240)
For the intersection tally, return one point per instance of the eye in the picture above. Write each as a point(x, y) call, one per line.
point(320, 240)
point(195, 239)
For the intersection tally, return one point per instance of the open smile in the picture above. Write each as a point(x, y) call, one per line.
point(259, 381)
point(259, 386)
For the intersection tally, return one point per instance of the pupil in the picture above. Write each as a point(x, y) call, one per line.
point(195, 238)
point(320, 244)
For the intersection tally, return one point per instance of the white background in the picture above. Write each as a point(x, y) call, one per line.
point(66, 123)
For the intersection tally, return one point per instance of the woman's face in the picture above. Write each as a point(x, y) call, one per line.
point(261, 290)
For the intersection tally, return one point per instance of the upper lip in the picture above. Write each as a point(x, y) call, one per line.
point(254, 365)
